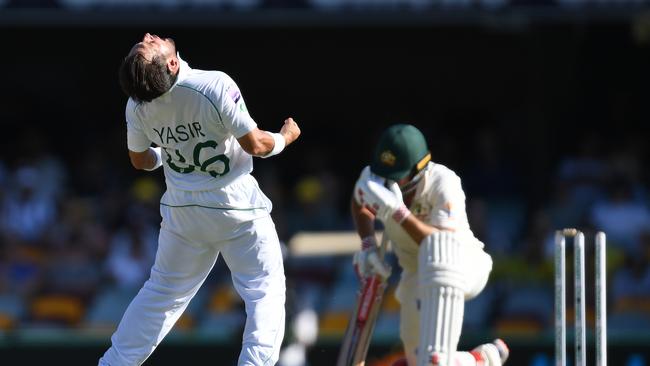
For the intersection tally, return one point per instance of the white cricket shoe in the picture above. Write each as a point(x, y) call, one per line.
point(492, 354)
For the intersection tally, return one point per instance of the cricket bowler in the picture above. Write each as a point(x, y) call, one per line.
point(205, 140)
point(422, 207)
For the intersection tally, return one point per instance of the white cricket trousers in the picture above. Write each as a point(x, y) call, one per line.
point(191, 238)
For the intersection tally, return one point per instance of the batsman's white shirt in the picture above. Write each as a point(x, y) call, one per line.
point(212, 206)
point(439, 201)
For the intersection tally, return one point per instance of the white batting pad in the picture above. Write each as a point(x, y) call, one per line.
point(441, 290)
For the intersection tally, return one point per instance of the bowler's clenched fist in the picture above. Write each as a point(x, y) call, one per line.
point(290, 130)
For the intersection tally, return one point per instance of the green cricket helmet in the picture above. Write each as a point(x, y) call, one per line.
point(401, 151)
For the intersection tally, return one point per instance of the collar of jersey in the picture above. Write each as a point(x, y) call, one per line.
point(422, 184)
point(183, 70)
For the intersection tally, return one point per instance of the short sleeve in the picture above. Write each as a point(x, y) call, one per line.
point(449, 207)
point(234, 114)
point(136, 139)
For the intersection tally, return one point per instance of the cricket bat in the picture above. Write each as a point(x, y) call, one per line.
point(362, 323)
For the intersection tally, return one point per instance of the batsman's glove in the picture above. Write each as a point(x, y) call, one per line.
point(370, 191)
point(367, 262)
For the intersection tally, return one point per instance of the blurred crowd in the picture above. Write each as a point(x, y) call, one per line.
point(77, 240)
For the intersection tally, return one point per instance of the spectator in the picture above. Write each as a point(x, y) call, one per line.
point(131, 254)
point(315, 204)
point(26, 212)
point(583, 174)
point(621, 216)
point(72, 270)
point(632, 280)
point(21, 268)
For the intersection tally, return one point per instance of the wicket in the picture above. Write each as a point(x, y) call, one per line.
point(579, 297)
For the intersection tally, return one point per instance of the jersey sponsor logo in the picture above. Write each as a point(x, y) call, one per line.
point(421, 211)
point(387, 158)
point(234, 94)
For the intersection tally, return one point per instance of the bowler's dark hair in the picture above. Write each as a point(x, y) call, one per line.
point(145, 80)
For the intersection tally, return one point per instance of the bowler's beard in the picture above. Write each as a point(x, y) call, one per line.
point(172, 77)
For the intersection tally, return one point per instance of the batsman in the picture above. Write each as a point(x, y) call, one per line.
point(422, 207)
